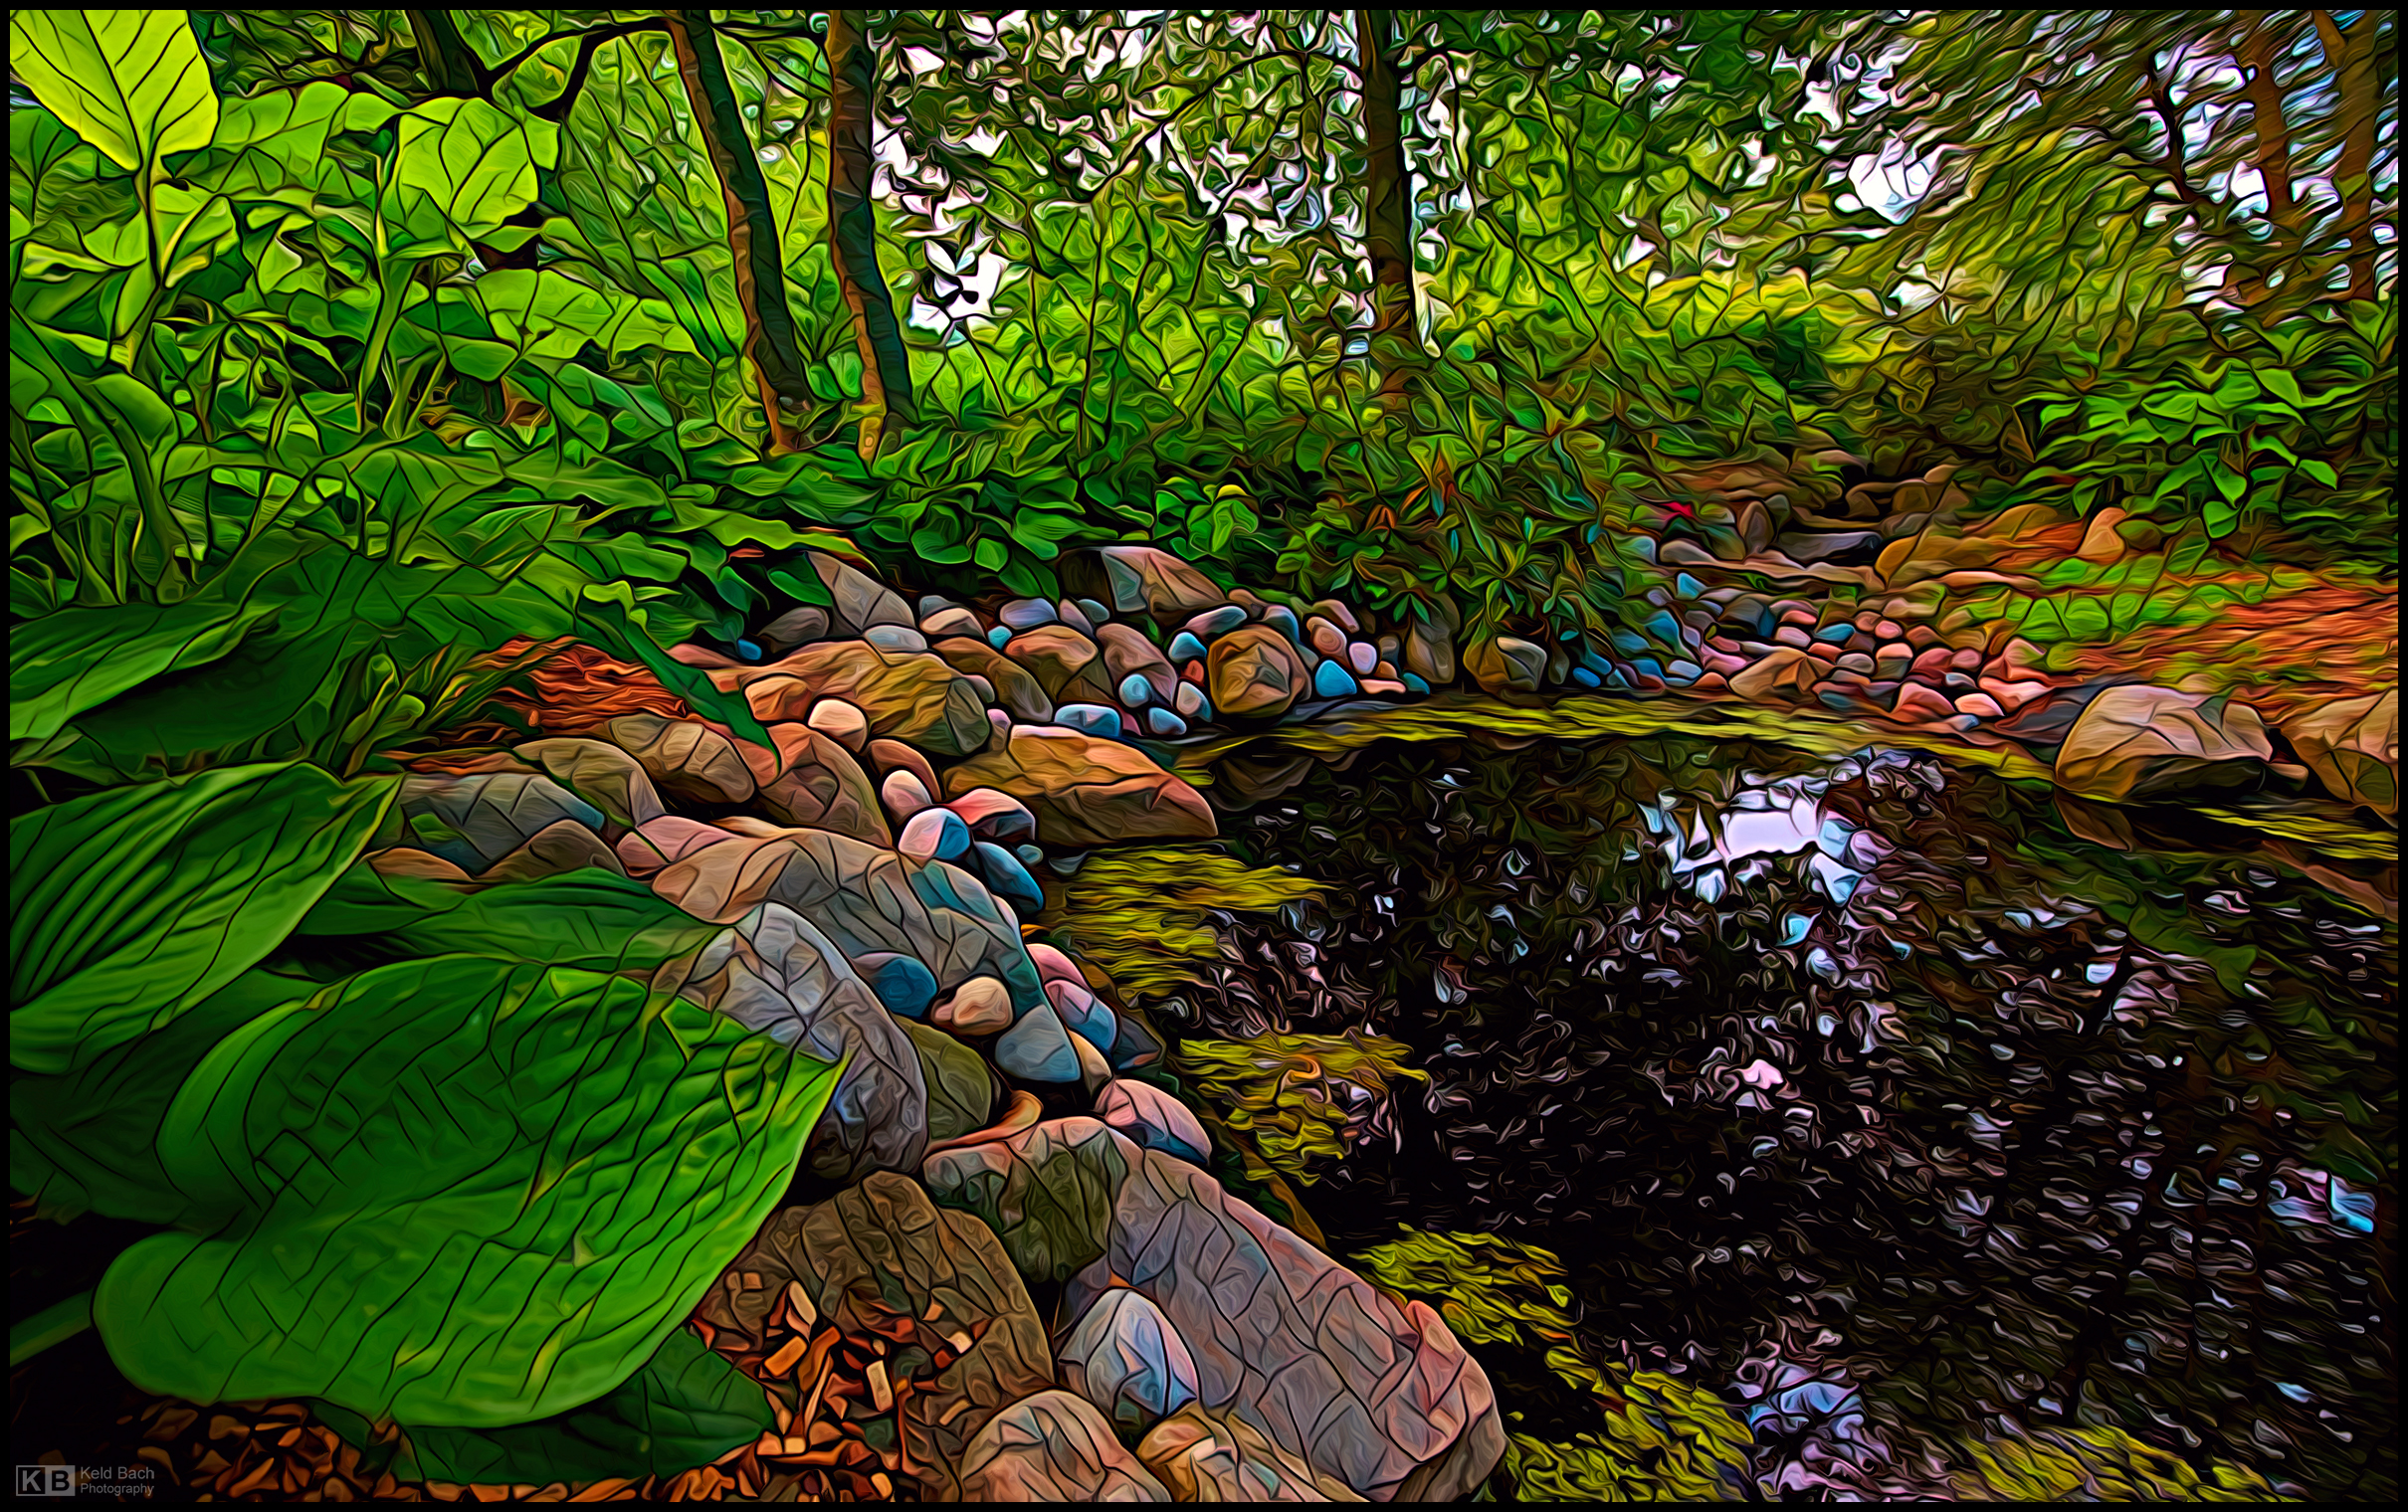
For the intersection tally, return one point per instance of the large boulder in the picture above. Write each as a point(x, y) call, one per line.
point(2138, 742)
point(821, 787)
point(962, 1089)
point(1141, 579)
point(1219, 1456)
point(564, 845)
point(474, 821)
point(600, 773)
point(1254, 672)
point(1065, 663)
point(882, 1259)
point(1127, 1357)
point(1783, 674)
point(1053, 1447)
point(1430, 644)
point(1128, 654)
point(1016, 687)
point(1507, 664)
point(774, 971)
point(1310, 1355)
point(867, 898)
point(860, 600)
point(685, 758)
point(2354, 747)
point(912, 696)
point(1085, 790)
point(1150, 1115)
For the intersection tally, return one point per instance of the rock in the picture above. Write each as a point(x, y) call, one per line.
point(690, 655)
point(1784, 673)
point(1154, 1119)
point(879, 1258)
point(981, 1006)
point(935, 835)
point(1018, 691)
point(1052, 965)
point(1137, 1046)
point(1100, 720)
point(1361, 658)
point(1191, 702)
point(999, 727)
point(904, 796)
point(426, 866)
point(1430, 643)
point(821, 787)
point(2137, 741)
point(777, 973)
point(2354, 747)
point(861, 601)
point(1282, 618)
point(1037, 1049)
point(1127, 1360)
point(1980, 707)
point(1387, 688)
point(797, 627)
point(600, 773)
point(901, 638)
point(1085, 791)
point(1184, 646)
point(1065, 663)
point(867, 898)
point(2101, 545)
point(1026, 614)
point(1214, 1456)
point(686, 759)
point(1332, 680)
point(1212, 623)
point(1507, 664)
point(994, 814)
point(1325, 636)
point(1094, 1069)
point(904, 985)
point(912, 698)
point(475, 822)
point(893, 755)
point(949, 621)
point(1917, 704)
point(962, 1089)
point(1126, 655)
point(1379, 1397)
point(1162, 725)
point(1254, 672)
point(1047, 1192)
point(1007, 878)
point(656, 842)
point(1133, 693)
point(1082, 1013)
point(1096, 614)
point(1053, 1447)
point(1070, 614)
point(1134, 579)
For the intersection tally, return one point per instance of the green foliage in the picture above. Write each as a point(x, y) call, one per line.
point(2095, 1464)
point(1302, 1099)
point(1139, 912)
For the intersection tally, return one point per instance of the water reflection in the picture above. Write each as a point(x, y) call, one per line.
point(1868, 1094)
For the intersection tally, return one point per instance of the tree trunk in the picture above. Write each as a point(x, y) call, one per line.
point(2263, 40)
point(444, 55)
point(2350, 51)
point(1387, 197)
point(760, 276)
point(885, 367)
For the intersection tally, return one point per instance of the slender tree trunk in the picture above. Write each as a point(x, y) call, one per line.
point(2350, 51)
point(2263, 40)
point(444, 55)
point(760, 276)
point(1387, 196)
point(852, 229)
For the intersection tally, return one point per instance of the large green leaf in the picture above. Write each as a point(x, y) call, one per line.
point(131, 905)
point(89, 1141)
point(456, 1192)
point(78, 659)
point(131, 83)
point(687, 1406)
point(587, 918)
point(467, 167)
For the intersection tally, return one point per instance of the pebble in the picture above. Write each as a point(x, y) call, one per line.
point(1164, 725)
point(1037, 1049)
point(841, 722)
point(935, 835)
point(1215, 622)
point(896, 638)
point(1330, 680)
point(1135, 691)
point(981, 1006)
point(904, 795)
point(1084, 1013)
point(1980, 707)
point(1075, 618)
point(1052, 965)
point(1362, 658)
point(1191, 702)
point(1000, 636)
point(1096, 613)
point(1025, 614)
point(902, 983)
point(1007, 878)
point(1090, 719)
point(1184, 646)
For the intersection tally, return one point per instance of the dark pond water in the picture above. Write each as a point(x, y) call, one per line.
point(1887, 1098)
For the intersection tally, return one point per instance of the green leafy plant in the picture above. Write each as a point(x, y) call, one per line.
point(1302, 1099)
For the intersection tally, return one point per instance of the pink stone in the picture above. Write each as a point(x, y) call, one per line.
point(1361, 658)
point(1917, 704)
point(993, 814)
point(841, 722)
point(1052, 965)
point(1792, 635)
point(658, 842)
point(1980, 707)
point(903, 793)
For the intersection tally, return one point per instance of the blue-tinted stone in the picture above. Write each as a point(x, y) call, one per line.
point(1687, 587)
point(1135, 1046)
point(1643, 548)
point(1282, 618)
point(1587, 678)
point(935, 835)
point(1090, 719)
point(1681, 673)
point(902, 983)
point(1027, 614)
point(1835, 635)
point(1029, 855)
point(1087, 1016)
point(1037, 1049)
point(1330, 680)
point(747, 651)
point(1007, 878)
point(1415, 682)
point(1647, 666)
point(1664, 627)
point(1628, 643)
point(1000, 636)
point(1183, 648)
point(1215, 622)
point(1135, 691)
point(1096, 613)
point(1164, 725)
point(896, 638)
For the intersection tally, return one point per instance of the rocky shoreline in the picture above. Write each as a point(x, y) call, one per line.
point(1003, 1130)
